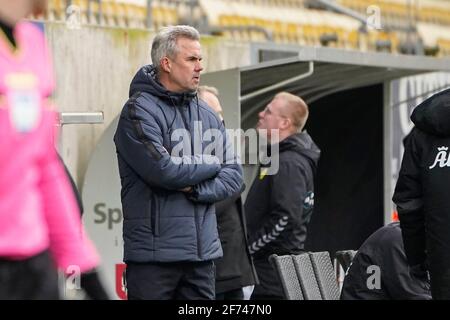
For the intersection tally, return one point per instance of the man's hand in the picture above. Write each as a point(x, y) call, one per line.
point(186, 189)
point(419, 271)
point(93, 286)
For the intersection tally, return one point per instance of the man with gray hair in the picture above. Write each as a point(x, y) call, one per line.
point(169, 228)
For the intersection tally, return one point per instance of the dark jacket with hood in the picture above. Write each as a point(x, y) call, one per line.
point(160, 145)
point(279, 207)
point(383, 249)
point(422, 191)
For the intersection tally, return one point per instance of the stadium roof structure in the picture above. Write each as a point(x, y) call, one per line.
point(317, 72)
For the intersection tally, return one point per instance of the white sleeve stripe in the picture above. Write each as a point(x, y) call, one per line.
point(267, 238)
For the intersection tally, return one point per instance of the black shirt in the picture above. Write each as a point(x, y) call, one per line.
point(380, 270)
point(9, 33)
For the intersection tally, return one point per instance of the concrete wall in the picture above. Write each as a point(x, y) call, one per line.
point(94, 67)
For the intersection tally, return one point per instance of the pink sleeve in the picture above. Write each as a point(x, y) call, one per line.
point(42, 53)
point(69, 243)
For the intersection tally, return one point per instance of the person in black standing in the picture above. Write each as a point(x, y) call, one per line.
point(421, 193)
point(279, 205)
point(235, 269)
point(380, 270)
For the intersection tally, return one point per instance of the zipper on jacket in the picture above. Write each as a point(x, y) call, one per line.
point(197, 228)
point(154, 217)
point(196, 218)
point(185, 123)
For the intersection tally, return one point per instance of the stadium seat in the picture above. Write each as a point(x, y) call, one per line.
point(325, 275)
point(284, 267)
point(306, 277)
point(288, 21)
point(444, 47)
point(56, 10)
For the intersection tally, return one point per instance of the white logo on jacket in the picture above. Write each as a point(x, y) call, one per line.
point(441, 158)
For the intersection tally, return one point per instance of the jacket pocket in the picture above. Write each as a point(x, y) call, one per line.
point(154, 215)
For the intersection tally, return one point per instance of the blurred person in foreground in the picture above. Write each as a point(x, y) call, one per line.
point(235, 269)
point(421, 193)
point(279, 206)
point(40, 225)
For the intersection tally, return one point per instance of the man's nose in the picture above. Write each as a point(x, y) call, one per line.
point(199, 66)
point(261, 114)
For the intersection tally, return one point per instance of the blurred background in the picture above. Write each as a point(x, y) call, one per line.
point(403, 26)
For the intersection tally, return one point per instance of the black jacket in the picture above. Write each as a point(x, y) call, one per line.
point(422, 190)
point(235, 269)
point(279, 206)
point(383, 249)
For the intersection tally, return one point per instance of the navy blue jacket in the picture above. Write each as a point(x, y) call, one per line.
point(157, 159)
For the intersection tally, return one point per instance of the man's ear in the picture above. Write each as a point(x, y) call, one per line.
point(165, 64)
point(286, 123)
